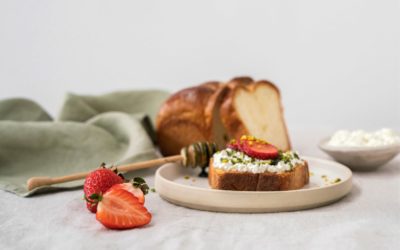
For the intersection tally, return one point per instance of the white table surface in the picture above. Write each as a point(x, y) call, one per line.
point(368, 218)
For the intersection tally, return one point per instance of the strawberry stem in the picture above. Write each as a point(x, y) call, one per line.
point(93, 198)
point(139, 182)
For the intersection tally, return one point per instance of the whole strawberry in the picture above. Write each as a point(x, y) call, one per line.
point(98, 182)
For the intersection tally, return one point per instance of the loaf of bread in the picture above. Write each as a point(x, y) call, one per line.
point(267, 181)
point(220, 112)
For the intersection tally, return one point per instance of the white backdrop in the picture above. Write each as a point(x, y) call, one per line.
point(337, 62)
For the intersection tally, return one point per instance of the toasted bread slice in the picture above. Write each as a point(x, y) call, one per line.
point(246, 181)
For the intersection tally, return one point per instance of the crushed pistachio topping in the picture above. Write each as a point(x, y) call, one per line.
point(328, 181)
point(230, 159)
point(251, 139)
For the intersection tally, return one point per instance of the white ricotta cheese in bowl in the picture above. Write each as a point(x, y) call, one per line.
point(361, 150)
point(361, 138)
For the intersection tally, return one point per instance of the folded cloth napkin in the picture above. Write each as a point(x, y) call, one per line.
point(115, 128)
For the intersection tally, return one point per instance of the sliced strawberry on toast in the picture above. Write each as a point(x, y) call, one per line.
point(257, 148)
point(233, 144)
point(119, 209)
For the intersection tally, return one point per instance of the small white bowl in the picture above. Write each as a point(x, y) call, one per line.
point(361, 158)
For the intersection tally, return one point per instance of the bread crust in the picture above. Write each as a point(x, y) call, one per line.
point(232, 123)
point(246, 181)
point(184, 118)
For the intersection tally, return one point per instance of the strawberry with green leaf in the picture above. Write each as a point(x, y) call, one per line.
point(98, 182)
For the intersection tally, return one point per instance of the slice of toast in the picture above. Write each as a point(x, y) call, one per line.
point(246, 181)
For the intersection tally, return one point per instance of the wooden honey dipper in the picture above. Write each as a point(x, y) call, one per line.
point(195, 155)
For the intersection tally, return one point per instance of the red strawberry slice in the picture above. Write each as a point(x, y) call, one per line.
point(137, 192)
point(233, 144)
point(92, 207)
point(97, 182)
point(119, 209)
point(258, 149)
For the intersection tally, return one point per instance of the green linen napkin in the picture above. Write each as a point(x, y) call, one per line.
point(115, 128)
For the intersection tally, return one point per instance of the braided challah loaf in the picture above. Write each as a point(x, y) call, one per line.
point(219, 112)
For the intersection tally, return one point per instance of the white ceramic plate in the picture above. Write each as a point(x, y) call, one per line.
point(183, 187)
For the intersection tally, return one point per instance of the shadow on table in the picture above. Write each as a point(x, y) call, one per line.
point(390, 169)
point(353, 195)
